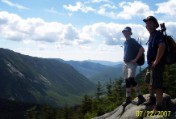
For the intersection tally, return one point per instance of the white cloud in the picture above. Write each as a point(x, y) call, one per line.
point(98, 1)
point(16, 5)
point(70, 33)
point(73, 8)
point(111, 10)
point(168, 7)
point(131, 9)
point(15, 28)
point(33, 30)
point(171, 27)
point(78, 7)
point(110, 14)
point(108, 10)
point(108, 6)
point(111, 33)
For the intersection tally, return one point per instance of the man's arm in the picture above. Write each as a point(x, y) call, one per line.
point(141, 50)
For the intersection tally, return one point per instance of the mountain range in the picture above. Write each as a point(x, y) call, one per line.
point(40, 80)
point(97, 71)
point(51, 81)
point(100, 71)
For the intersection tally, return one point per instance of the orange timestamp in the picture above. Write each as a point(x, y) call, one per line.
point(153, 113)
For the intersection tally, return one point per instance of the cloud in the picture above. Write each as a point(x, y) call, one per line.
point(108, 10)
point(70, 33)
point(33, 30)
point(131, 9)
point(78, 7)
point(15, 28)
point(171, 27)
point(16, 5)
point(99, 1)
point(168, 8)
point(111, 33)
point(108, 6)
point(123, 10)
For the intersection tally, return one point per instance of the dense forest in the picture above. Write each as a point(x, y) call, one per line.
point(104, 100)
point(107, 98)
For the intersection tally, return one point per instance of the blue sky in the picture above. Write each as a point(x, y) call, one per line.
point(78, 29)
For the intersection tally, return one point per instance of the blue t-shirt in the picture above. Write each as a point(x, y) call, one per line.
point(131, 49)
point(154, 40)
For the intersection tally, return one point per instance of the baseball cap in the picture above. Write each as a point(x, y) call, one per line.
point(151, 18)
point(127, 29)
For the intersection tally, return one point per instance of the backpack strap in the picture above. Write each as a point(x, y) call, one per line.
point(152, 39)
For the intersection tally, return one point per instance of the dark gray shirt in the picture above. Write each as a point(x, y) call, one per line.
point(131, 49)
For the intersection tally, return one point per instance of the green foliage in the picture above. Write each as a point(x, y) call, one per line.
point(169, 81)
point(104, 101)
point(31, 113)
point(99, 91)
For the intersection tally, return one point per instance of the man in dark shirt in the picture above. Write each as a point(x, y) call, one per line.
point(132, 51)
point(155, 59)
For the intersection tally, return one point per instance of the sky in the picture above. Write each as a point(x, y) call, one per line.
point(79, 29)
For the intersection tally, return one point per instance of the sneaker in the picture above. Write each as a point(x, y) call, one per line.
point(141, 100)
point(157, 108)
point(127, 101)
point(150, 101)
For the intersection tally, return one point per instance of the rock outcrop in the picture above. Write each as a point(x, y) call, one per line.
point(132, 111)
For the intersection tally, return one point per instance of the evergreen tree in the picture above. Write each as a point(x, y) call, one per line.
point(169, 81)
point(99, 91)
point(87, 104)
point(31, 113)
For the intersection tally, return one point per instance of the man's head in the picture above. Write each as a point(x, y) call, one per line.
point(127, 32)
point(151, 23)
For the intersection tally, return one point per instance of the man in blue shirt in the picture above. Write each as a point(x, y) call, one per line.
point(155, 59)
point(132, 51)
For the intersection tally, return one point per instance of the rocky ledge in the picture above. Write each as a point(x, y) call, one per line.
point(132, 111)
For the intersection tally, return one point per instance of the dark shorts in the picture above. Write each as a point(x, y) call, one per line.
point(157, 76)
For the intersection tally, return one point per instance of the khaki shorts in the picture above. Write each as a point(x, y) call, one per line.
point(129, 70)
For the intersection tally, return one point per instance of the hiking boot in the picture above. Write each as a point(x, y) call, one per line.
point(157, 108)
point(150, 101)
point(141, 100)
point(127, 101)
